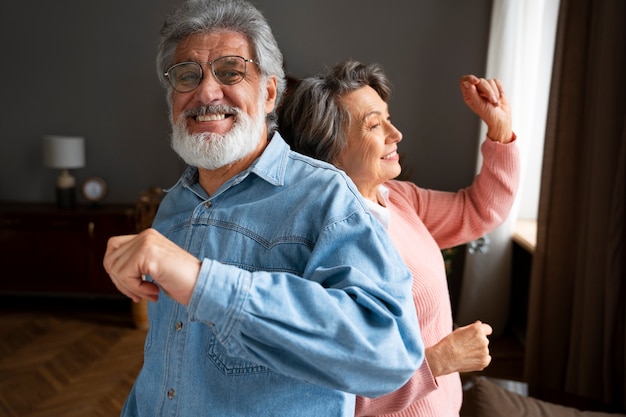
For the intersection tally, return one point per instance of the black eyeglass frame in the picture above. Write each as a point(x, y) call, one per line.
point(172, 82)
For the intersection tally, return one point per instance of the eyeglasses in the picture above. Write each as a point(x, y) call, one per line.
point(227, 70)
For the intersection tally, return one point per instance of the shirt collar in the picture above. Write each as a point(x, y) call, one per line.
point(272, 164)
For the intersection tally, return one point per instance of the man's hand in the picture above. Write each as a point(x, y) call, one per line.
point(130, 258)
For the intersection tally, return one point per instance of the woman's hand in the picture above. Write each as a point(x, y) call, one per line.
point(486, 98)
point(128, 259)
point(466, 349)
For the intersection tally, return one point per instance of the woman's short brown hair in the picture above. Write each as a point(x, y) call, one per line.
point(313, 119)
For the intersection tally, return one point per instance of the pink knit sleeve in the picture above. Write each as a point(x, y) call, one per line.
point(454, 218)
point(420, 384)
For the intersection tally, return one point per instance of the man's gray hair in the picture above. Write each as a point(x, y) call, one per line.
point(206, 16)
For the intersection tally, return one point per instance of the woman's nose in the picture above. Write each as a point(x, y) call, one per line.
point(394, 134)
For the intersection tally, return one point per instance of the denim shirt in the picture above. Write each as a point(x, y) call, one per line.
point(301, 301)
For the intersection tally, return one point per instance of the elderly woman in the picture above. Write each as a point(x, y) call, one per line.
point(342, 118)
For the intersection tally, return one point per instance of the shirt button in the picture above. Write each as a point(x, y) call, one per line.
point(171, 393)
point(208, 204)
point(179, 326)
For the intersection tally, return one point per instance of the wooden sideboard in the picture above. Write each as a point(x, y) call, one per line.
point(46, 250)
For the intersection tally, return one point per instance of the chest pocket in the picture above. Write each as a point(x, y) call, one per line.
point(229, 365)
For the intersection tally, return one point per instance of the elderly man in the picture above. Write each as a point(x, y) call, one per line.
point(274, 292)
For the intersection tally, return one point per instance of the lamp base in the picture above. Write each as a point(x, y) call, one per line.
point(66, 197)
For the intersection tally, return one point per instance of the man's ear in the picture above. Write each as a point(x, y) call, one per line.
point(270, 99)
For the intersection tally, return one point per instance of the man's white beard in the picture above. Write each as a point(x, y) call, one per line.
point(213, 150)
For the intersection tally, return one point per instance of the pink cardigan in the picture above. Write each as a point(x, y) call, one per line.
point(421, 223)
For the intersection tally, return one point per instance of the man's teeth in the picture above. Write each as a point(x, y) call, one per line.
point(211, 117)
point(391, 155)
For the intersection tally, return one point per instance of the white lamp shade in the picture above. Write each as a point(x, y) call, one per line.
point(63, 151)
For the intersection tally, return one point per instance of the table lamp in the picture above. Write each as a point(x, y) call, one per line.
point(64, 153)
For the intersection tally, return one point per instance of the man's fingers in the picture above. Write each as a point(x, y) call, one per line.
point(117, 241)
point(121, 265)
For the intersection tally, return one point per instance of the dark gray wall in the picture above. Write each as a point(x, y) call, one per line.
point(86, 68)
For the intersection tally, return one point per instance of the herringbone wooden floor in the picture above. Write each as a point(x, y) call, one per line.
point(67, 358)
point(79, 357)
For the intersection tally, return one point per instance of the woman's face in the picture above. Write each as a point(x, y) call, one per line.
point(371, 157)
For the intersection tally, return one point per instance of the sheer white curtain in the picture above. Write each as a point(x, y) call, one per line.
point(521, 45)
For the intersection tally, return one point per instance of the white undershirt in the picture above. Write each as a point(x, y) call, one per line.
point(381, 213)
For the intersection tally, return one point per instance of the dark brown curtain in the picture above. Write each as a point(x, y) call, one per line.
point(577, 319)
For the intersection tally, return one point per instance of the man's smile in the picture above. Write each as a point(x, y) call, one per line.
point(212, 117)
